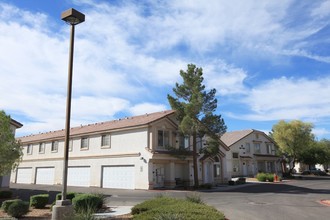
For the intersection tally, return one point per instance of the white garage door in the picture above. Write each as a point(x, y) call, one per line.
point(45, 175)
point(24, 175)
point(79, 176)
point(119, 177)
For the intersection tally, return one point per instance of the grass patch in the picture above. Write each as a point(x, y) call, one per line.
point(163, 208)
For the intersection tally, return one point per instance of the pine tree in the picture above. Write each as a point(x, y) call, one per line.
point(195, 109)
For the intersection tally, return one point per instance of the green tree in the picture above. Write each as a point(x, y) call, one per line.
point(10, 150)
point(195, 109)
point(293, 138)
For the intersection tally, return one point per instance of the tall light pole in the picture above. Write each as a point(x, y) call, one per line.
point(63, 207)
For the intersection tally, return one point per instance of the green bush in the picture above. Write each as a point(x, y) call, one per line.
point(69, 195)
point(18, 209)
point(270, 177)
point(5, 205)
point(86, 203)
point(5, 194)
point(167, 208)
point(262, 177)
point(39, 201)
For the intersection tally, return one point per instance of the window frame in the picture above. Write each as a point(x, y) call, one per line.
point(236, 153)
point(257, 150)
point(247, 147)
point(165, 134)
point(42, 148)
point(70, 145)
point(54, 147)
point(103, 142)
point(29, 149)
point(81, 143)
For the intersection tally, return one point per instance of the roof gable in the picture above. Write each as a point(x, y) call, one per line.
point(128, 122)
point(230, 138)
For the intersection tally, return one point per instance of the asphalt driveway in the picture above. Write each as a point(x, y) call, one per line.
point(291, 200)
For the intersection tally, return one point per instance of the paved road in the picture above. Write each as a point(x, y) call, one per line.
point(296, 199)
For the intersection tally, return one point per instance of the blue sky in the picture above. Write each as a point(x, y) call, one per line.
point(268, 60)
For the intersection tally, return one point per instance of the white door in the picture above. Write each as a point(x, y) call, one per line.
point(45, 175)
point(79, 176)
point(24, 175)
point(118, 177)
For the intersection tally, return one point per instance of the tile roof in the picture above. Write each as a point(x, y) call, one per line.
point(101, 126)
point(230, 138)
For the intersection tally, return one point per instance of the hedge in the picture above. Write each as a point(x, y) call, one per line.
point(5, 194)
point(39, 201)
point(18, 209)
point(5, 205)
point(84, 203)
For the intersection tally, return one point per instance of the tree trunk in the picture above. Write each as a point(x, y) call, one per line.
point(196, 183)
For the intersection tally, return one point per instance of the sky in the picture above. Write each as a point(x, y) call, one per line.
point(268, 60)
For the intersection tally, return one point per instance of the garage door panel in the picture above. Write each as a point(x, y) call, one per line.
point(45, 175)
point(79, 176)
point(118, 177)
point(24, 175)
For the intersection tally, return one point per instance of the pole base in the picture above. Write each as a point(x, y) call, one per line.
point(62, 210)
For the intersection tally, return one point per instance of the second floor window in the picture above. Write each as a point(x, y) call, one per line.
point(29, 149)
point(163, 139)
point(269, 148)
point(105, 140)
point(247, 147)
point(235, 155)
point(70, 145)
point(41, 148)
point(184, 142)
point(54, 146)
point(84, 143)
point(257, 148)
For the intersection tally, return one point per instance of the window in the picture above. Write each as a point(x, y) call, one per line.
point(163, 139)
point(70, 145)
point(41, 148)
point(54, 146)
point(257, 147)
point(270, 149)
point(184, 142)
point(29, 149)
point(247, 147)
point(235, 155)
point(235, 166)
point(105, 140)
point(84, 143)
point(216, 167)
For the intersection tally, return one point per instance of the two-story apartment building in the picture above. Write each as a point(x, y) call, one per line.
point(4, 180)
point(251, 151)
point(129, 153)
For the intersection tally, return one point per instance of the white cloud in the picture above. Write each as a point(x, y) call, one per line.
point(144, 108)
point(289, 98)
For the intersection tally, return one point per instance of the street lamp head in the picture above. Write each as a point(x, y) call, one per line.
point(72, 16)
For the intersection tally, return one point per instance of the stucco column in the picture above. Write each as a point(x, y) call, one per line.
point(151, 175)
point(172, 174)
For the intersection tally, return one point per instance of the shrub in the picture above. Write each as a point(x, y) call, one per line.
point(270, 177)
point(39, 201)
point(195, 198)
point(6, 194)
point(262, 177)
point(86, 203)
point(5, 205)
point(177, 209)
point(69, 195)
point(18, 209)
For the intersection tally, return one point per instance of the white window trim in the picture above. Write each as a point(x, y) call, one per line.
point(54, 147)
point(29, 149)
point(42, 146)
point(164, 144)
point(109, 140)
point(81, 142)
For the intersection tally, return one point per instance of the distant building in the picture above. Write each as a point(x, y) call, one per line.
point(251, 151)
